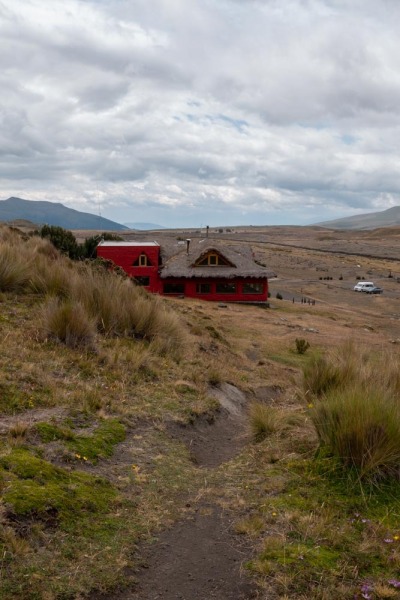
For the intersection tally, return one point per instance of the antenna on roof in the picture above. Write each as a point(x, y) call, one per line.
point(187, 246)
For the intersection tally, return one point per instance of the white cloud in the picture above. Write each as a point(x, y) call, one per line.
point(194, 109)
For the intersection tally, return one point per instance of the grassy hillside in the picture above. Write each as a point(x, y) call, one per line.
point(105, 391)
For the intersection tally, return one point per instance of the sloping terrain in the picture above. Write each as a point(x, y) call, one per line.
point(384, 218)
point(129, 470)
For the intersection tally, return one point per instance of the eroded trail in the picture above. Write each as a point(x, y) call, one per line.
point(200, 557)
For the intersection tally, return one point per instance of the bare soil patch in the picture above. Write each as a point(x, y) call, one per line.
point(216, 438)
point(198, 559)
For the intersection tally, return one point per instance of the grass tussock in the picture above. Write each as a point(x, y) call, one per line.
point(355, 407)
point(51, 276)
point(69, 323)
point(267, 420)
point(362, 427)
point(14, 269)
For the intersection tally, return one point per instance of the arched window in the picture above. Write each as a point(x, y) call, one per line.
point(142, 261)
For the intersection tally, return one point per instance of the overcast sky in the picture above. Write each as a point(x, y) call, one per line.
point(194, 112)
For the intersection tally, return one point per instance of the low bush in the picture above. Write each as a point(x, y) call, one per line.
point(301, 345)
point(62, 239)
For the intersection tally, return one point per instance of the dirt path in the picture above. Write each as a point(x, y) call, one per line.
point(201, 557)
point(198, 559)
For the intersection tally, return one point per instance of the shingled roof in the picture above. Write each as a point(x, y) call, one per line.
point(177, 262)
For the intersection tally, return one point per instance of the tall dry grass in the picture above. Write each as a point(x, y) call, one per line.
point(15, 268)
point(94, 300)
point(355, 407)
point(68, 322)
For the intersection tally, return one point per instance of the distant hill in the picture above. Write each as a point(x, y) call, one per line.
point(53, 213)
point(385, 218)
point(143, 226)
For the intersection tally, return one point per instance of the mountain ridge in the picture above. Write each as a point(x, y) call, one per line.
point(43, 212)
point(385, 218)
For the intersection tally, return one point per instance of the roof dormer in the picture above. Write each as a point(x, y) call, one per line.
point(212, 258)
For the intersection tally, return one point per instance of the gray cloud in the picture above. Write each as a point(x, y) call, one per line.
point(225, 110)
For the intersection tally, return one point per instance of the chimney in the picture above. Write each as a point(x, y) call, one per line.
point(187, 246)
point(207, 229)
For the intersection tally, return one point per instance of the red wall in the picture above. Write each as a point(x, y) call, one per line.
point(125, 256)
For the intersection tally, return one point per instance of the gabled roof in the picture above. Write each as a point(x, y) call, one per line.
point(177, 262)
point(222, 262)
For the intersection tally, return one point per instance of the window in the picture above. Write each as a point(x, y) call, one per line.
point(203, 288)
point(253, 288)
point(226, 288)
point(142, 281)
point(213, 259)
point(174, 288)
point(142, 261)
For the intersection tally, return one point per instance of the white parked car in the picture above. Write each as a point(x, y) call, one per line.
point(368, 287)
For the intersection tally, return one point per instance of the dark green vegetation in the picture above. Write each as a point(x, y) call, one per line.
point(65, 241)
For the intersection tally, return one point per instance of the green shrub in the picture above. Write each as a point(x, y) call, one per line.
point(279, 296)
point(301, 345)
point(90, 244)
point(62, 239)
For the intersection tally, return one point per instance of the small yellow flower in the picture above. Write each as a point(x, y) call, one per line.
point(396, 537)
point(84, 457)
point(274, 514)
point(78, 456)
point(310, 405)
